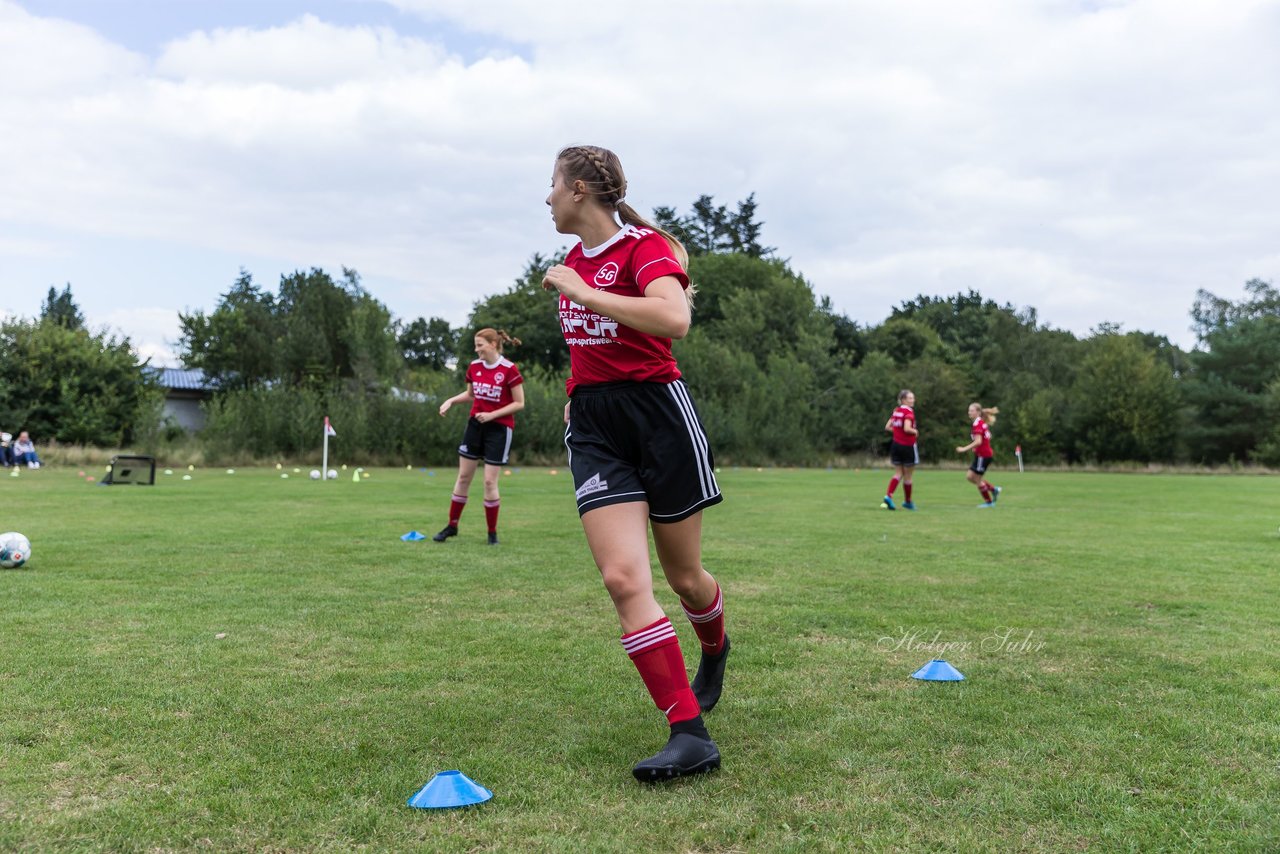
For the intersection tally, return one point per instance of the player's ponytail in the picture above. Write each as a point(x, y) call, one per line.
point(600, 172)
point(497, 337)
point(989, 414)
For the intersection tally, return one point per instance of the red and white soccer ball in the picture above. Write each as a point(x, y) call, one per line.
point(15, 550)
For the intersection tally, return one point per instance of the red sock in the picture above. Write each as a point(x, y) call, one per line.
point(906, 491)
point(491, 514)
point(982, 490)
point(988, 487)
point(708, 623)
point(456, 506)
point(893, 484)
point(655, 651)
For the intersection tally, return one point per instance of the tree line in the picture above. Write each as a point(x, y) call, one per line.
point(781, 376)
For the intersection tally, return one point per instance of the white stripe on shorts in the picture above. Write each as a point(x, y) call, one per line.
point(698, 438)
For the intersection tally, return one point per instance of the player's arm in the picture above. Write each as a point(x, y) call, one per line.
point(516, 404)
point(968, 447)
point(463, 397)
point(909, 427)
point(662, 311)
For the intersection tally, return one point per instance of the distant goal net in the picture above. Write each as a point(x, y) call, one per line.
point(131, 470)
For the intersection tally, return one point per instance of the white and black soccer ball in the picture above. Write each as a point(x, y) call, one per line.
point(315, 474)
point(15, 550)
point(333, 474)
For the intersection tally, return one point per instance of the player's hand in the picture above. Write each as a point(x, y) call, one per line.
point(444, 407)
point(959, 450)
point(566, 281)
point(482, 417)
point(566, 413)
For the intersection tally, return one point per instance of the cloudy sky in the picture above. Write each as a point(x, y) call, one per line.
point(1099, 160)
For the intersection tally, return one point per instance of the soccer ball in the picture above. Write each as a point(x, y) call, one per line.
point(15, 550)
point(315, 474)
point(333, 474)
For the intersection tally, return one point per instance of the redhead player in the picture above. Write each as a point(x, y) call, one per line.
point(637, 450)
point(980, 430)
point(904, 453)
point(495, 389)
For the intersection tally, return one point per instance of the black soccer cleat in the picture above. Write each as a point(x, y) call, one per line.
point(709, 681)
point(493, 538)
point(684, 755)
point(445, 533)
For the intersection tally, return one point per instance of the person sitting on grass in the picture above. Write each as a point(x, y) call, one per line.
point(6, 456)
point(24, 451)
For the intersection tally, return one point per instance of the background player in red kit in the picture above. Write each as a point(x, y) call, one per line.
point(637, 450)
point(494, 387)
point(904, 453)
point(980, 430)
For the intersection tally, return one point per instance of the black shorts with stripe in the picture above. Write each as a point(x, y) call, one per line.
point(980, 464)
point(904, 455)
point(489, 442)
point(631, 441)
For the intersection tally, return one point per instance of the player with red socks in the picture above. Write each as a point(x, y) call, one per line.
point(980, 431)
point(637, 449)
point(904, 453)
point(495, 389)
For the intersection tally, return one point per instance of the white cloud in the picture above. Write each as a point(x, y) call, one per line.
point(1099, 161)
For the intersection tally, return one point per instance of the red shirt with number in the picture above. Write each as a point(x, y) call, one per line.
point(900, 417)
point(491, 387)
point(982, 433)
point(602, 350)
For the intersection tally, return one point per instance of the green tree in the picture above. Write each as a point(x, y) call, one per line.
point(317, 331)
point(235, 345)
point(712, 228)
point(74, 386)
point(527, 312)
point(61, 308)
point(1230, 377)
point(1125, 403)
point(428, 343)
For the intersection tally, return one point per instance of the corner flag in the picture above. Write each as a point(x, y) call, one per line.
point(328, 428)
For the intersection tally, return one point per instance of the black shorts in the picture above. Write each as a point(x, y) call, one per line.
point(980, 465)
point(633, 441)
point(904, 455)
point(489, 442)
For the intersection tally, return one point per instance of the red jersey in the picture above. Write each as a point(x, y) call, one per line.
point(982, 433)
point(602, 350)
point(900, 416)
point(491, 387)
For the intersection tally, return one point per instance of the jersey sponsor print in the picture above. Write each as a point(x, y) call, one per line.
point(900, 417)
point(602, 350)
point(982, 433)
point(491, 387)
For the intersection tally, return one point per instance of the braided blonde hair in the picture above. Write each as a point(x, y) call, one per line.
point(600, 172)
point(497, 337)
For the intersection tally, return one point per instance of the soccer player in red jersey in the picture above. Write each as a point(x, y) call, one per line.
point(904, 453)
point(637, 449)
point(980, 430)
point(495, 389)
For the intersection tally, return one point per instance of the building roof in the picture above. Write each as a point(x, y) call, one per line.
point(182, 379)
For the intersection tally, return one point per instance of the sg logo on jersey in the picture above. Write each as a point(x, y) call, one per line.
point(607, 275)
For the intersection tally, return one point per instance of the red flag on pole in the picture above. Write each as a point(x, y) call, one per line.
point(328, 428)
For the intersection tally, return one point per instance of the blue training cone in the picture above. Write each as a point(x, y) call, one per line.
point(938, 671)
point(449, 789)
point(413, 536)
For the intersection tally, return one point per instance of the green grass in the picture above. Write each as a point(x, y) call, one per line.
point(1132, 703)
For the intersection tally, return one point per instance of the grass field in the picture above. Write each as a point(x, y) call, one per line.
point(247, 663)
